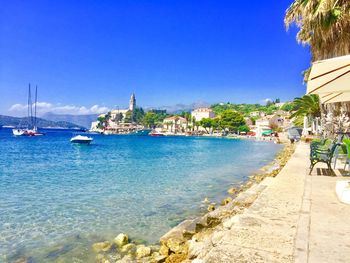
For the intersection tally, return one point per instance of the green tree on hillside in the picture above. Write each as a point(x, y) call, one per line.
point(231, 120)
point(150, 119)
point(289, 106)
point(206, 123)
point(137, 115)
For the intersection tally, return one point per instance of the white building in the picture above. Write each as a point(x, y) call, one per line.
point(262, 126)
point(94, 126)
point(257, 114)
point(114, 120)
point(175, 124)
point(202, 113)
point(115, 113)
point(279, 104)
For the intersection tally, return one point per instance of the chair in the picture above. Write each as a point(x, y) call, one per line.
point(347, 143)
point(320, 155)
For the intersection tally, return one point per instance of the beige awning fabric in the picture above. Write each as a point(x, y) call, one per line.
point(334, 97)
point(330, 76)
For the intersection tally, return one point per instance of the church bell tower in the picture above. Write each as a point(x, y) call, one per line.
point(132, 103)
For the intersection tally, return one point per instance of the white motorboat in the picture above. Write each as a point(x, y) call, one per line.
point(81, 139)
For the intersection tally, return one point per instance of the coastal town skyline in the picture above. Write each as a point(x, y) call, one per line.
point(141, 54)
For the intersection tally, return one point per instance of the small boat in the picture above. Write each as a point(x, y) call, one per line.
point(81, 139)
point(156, 134)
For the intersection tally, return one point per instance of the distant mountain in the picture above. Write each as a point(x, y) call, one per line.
point(25, 121)
point(178, 108)
point(82, 120)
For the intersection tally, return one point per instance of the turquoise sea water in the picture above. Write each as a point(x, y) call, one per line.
point(56, 198)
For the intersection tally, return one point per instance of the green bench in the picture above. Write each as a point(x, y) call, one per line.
point(320, 154)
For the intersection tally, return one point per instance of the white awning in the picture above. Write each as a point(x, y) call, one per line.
point(334, 97)
point(330, 79)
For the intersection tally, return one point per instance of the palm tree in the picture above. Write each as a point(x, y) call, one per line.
point(324, 25)
point(308, 105)
point(187, 116)
point(167, 124)
point(175, 123)
point(193, 123)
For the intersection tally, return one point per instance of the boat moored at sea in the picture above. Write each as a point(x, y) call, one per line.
point(32, 118)
point(26, 132)
point(81, 139)
point(156, 134)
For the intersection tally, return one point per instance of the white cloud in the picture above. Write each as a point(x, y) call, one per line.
point(17, 107)
point(265, 101)
point(44, 107)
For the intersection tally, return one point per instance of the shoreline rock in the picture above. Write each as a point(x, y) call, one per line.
point(121, 240)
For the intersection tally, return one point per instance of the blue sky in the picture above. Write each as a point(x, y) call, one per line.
point(95, 53)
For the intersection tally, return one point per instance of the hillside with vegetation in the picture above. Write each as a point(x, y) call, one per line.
point(246, 109)
point(41, 123)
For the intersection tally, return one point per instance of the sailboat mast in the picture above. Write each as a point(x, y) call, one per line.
point(36, 101)
point(29, 120)
point(31, 107)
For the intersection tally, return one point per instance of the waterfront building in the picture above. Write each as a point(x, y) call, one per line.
point(175, 124)
point(262, 127)
point(202, 113)
point(94, 126)
point(117, 117)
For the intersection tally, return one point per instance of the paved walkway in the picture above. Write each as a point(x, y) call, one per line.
point(297, 218)
point(329, 220)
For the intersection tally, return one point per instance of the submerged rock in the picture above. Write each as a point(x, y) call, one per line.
point(128, 248)
point(25, 260)
point(59, 251)
point(101, 259)
point(121, 240)
point(206, 200)
point(143, 251)
point(139, 241)
point(102, 246)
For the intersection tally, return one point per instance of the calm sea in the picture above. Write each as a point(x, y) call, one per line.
point(57, 198)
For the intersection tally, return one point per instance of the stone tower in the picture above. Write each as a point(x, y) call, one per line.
point(132, 103)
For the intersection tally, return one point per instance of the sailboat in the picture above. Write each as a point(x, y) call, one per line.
point(32, 129)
